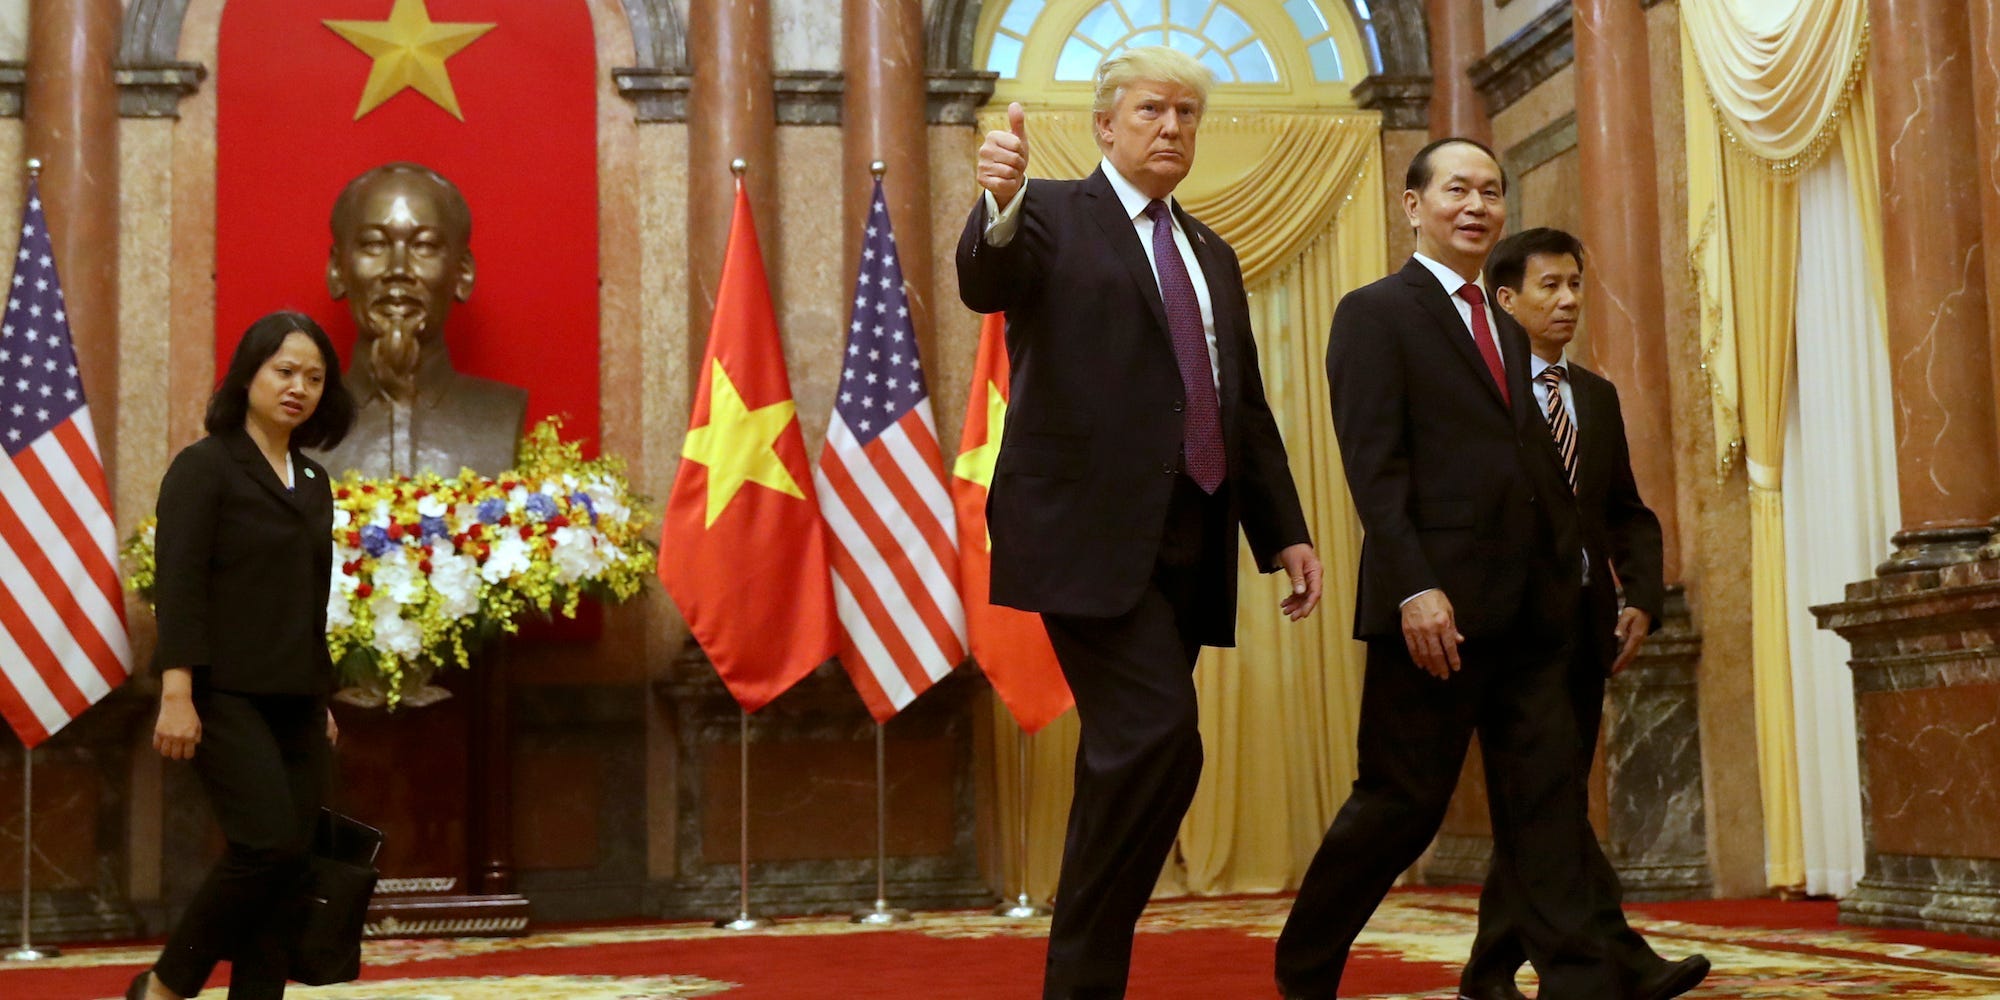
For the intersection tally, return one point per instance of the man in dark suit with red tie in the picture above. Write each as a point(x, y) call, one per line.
point(1537, 279)
point(1472, 564)
point(1138, 440)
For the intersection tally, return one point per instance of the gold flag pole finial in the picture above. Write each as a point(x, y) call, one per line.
point(34, 167)
point(738, 166)
point(878, 168)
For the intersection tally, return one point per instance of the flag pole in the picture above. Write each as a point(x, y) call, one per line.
point(881, 912)
point(744, 921)
point(28, 952)
point(1023, 906)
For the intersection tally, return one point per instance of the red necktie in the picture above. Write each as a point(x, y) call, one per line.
point(1483, 336)
point(1201, 430)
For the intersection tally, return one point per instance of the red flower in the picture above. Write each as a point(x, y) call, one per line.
point(364, 590)
point(424, 567)
point(354, 539)
point(340, 494)
point(395, 532)
point(559, 521)
point(348, 568)
point(506, 520)
point(527, 532)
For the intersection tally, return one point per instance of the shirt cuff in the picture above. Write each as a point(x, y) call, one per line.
point(1002, 225)
point(1416, 595)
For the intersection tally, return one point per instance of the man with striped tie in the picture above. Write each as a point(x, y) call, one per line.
point(1537, 278)
point(1138, 440)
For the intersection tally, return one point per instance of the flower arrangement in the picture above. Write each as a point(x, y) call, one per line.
point(427, 568)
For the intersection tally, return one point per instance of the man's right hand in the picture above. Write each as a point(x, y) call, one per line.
point(1003, 158)
point(1431, 632)
point(178, 729)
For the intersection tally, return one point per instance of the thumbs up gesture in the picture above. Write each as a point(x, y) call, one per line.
point(1003, 157)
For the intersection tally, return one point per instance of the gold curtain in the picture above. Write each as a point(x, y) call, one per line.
point(1297, 196)
point(1765, 101)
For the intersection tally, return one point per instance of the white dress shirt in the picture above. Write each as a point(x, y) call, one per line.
point(1452, 282)
point(1002, 225)
point(1536, 366)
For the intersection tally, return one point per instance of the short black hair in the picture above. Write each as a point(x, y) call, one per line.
point(229, 406)
point(1418, 176)
point(1507, 265)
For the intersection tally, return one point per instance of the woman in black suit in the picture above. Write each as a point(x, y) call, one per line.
point(244, 565)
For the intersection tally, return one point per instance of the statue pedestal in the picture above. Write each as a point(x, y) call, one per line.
point(437, 780)
point(1645, 787)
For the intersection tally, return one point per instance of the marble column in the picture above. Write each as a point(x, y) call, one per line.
point(1985, 15)
point(70, 112)
point(731, 114)
point(1458, 39)
point(1621, 231)
point(1948, 462)
point(882, 118)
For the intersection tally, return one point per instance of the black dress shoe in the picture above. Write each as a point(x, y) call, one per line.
point(1672, 979)
point(1490, 991)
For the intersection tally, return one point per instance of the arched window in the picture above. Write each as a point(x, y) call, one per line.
point(1311, 51)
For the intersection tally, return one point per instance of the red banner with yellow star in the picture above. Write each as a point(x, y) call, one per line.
point(1010, 645)
point(499, 96)
point(741, 549)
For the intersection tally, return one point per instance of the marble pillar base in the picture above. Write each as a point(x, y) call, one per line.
point(812, 799)
point(1926, 667)
point(1647, 792)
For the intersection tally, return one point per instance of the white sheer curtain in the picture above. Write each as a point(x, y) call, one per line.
point(1840, 507)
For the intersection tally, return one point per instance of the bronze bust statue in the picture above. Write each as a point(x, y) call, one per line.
point(401, 256)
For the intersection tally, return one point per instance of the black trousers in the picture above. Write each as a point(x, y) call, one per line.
point(1497, 951)
point(1414, 732)
point(1139, 754)
point(264, 762)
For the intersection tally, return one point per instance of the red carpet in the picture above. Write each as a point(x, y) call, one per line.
point(1194, 949)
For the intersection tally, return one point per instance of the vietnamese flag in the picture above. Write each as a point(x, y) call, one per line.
point(1009, 644)
point(741, 549)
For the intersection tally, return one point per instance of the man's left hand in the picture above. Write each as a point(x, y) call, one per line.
point(1302, 565)
point(1633, 625)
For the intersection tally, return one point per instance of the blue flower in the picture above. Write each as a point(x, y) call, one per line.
point(541, 505)
point(433, 527)
point(375, 539)
point(491, 510)
point(583, 500)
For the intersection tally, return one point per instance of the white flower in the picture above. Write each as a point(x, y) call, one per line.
point(380, 516)
point(339, 614)
point(604, 499)
point(394, 635)
point(576, 554)
point(432, 505)
point(342, 517)
point(510, 555)
point(343, 581)
point(396, 579)
point(456, 579)
point(517, 497)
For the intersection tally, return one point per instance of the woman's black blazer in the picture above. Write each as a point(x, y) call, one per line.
point(243, 569)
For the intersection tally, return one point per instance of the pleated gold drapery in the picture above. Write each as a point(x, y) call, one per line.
point(1765, 100)
point(1296, 196)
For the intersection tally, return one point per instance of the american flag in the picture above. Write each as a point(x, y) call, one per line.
point(62, 616)
point(881, 485)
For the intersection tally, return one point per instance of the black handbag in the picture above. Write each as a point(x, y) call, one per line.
point(341, 881)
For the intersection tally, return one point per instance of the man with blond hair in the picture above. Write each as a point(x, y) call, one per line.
point(1137, 441)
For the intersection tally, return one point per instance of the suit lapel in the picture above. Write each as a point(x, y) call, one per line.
point(1109, 214)
point(1430, 294)
point(1589, 424)
point(251, 461)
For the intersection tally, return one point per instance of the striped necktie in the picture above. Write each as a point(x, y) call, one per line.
point(1560, 425)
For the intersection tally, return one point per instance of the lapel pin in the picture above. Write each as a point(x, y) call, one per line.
point(309, 474)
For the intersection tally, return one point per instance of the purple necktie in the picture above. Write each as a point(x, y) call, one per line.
point(1201, 434)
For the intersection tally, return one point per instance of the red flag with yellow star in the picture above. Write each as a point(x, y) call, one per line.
point(1009, 644)
point(741, 549)
point(310, 93)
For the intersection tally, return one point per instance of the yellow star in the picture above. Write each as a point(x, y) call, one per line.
point(976, 465)
point(737, 445)
point(409, 50)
